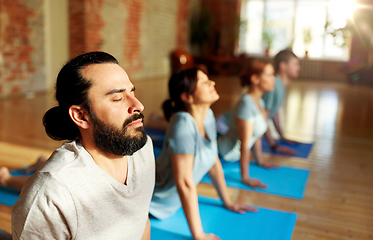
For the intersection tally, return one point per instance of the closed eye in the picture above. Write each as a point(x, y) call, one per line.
point(117, 100)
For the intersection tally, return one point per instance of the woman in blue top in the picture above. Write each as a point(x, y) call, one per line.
point(189, 151)
point(248, 121)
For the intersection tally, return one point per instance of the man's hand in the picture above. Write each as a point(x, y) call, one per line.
point(289, 141)
point(285, 150)
point(254, 183)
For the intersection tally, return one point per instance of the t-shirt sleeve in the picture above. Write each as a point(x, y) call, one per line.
point(268, 99)
point(182, 138)
point(246, 110)
point(45, 211)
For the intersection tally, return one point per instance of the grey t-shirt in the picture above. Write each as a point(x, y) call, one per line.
point(182, 136)
point(71, 197)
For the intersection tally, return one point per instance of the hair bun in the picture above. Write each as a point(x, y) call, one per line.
point(58, 124)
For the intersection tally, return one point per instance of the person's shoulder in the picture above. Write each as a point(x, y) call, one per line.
point(41, 187)
point(62, 157)
point(210, 115)
point(181, 116)
point(246, 101)
point(181, 120)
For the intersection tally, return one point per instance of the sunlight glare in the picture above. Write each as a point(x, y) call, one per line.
point(340, 10)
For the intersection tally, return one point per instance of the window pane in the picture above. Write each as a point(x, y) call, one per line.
point(279, 18)
point(310, 16)
point(288, 21)
point(252, 42)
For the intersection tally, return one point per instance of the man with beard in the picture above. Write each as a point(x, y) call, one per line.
point(98, 185)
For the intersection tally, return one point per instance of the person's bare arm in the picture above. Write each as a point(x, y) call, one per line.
point(245, 133)
point(182, 167)
point(272, 142)
point(257, 148)
point(217, 177)
point(146, 235)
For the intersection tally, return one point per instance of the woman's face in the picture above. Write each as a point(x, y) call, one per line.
point(267, 79)
point(205, 92)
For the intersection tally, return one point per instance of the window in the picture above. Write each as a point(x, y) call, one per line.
point(288, 23)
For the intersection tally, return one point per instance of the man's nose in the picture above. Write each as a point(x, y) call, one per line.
point(136, 105)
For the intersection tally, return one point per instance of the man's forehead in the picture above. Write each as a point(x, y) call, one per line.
point(107, 76)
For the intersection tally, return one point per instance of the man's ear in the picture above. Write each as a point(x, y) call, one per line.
point(187, 98)
point(282, 66)
point(79, 116)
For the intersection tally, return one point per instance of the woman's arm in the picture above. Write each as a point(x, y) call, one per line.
point(257, 148)
point(245, 133)
point(217, 177)
point(182, 167)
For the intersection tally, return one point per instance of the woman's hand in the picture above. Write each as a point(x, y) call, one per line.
point(268, 165)
point(240, 208)
point(208, 236)
point(254, 183)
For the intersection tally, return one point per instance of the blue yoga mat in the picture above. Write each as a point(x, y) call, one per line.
point(285, 181)
point(302, 149)
point(264, 224)
point(8, 196)
point(155, 134)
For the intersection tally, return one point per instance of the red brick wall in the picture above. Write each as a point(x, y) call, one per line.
point(150, 29)
point(17, 46)
point(132, 51)
point(182, 24)
point(85, 26)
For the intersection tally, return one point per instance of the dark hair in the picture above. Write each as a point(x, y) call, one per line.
point(255, 67)
point(182, 81)
point(283, 56)
point(72, 89)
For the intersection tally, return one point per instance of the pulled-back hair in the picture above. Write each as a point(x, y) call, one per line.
point(255, 67)
point(182, 81)
point(72, 89)
point(283, 56)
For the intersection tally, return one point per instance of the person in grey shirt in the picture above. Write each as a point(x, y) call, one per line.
point(99, 185)
point(287, 68)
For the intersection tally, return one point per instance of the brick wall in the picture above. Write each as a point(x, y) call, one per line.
point(139, 33)
point(21, 47)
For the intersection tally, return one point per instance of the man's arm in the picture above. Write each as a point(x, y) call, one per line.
point(146, 235)
point(272, 142)
point(276, 122)
point(45, 212)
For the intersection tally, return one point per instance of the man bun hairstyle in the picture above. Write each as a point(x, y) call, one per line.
point(72, 89)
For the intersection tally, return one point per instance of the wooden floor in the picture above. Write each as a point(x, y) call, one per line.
point(337, 117)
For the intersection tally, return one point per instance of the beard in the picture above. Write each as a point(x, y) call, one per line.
point(119, 142)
